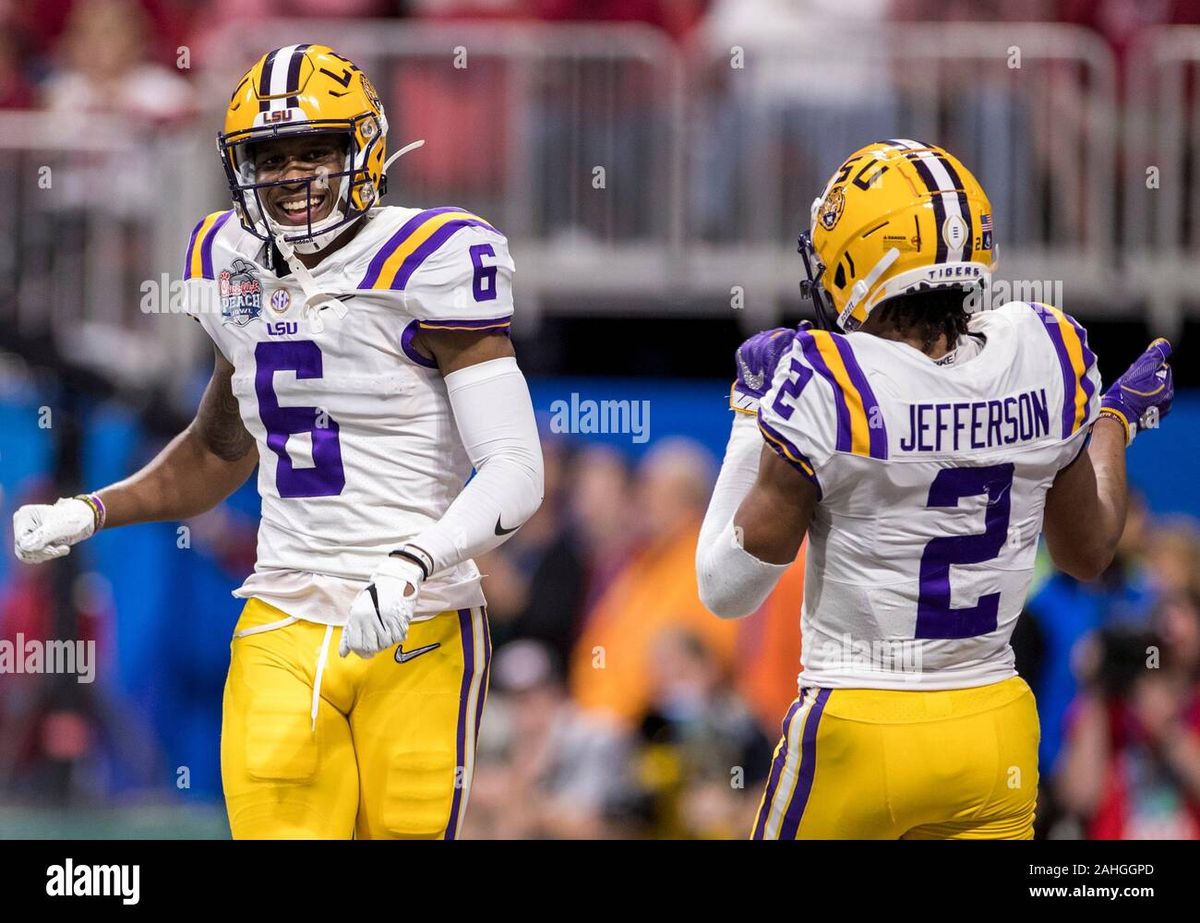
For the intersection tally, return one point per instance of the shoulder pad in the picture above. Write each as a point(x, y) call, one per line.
point(454, 268)
point(198, 264)
point(1077, 365)
point(821, 404)
point(421, 236)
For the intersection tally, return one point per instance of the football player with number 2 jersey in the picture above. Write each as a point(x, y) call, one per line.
point(363, 364)
point(923, 445)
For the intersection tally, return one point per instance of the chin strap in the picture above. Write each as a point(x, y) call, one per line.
point(315, 301)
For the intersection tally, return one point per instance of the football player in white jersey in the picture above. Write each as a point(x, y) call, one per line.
point(363, 364)
point(923, 446)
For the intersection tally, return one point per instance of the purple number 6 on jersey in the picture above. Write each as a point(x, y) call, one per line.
point(326, 477)
point(483, 286)
point(935, 617)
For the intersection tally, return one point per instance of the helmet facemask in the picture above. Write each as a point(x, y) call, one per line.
point(356, 191)
point(811, 286)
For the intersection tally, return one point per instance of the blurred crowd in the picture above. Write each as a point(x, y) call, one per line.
point(619, 706)
point(140, 59)
point(128, 56)
point(1116, 667)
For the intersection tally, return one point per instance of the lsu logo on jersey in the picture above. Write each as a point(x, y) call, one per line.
point(241, 294)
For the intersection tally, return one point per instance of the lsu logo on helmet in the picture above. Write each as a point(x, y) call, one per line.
point(898, 216)
point(832, 207)
point(305, 89)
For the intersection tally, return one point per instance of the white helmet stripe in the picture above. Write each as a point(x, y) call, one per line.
point(949, 200)
point(279, 76)
point(949, 194)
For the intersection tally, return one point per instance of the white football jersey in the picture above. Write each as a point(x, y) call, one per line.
point(358, 448)
point(933, 480)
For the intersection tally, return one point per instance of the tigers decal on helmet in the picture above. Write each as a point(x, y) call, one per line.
point(302, 90)
point(898, 216)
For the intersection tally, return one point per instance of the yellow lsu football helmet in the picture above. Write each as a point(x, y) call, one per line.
point(296, 90)
point(897, 217)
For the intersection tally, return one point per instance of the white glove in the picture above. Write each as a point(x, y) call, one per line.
point(381, 613)
point(42, 532)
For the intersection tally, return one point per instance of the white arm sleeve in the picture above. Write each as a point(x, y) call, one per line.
point(733, 583)
point(494, 413)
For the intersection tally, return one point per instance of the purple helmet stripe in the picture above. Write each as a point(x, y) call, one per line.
point(781, 753)
point(939, 206)
point(264, 83)
point(467, 632)
point(808, 345)
point(1050, 322)
point(877, 434)
point(376, 265)
point(808, 765)
point(293, 74)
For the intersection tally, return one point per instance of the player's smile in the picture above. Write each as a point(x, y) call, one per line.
point(291, 207)
point(300, 158)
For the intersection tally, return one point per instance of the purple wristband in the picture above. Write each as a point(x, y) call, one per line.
point(99, 513)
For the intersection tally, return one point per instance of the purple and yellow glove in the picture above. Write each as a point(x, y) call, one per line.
point(756, 360)
point(1142, 396)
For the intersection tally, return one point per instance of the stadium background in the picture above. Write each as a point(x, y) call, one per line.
point(651, 162)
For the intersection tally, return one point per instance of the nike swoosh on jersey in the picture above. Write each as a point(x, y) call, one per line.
point(500, 530)
point(403, 656)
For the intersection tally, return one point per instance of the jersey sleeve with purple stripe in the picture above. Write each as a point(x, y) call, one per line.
point(198, 260)
point(821, 404)
point(792, 418)
point(1065, 340)
point(453, 267)
point(199, 265)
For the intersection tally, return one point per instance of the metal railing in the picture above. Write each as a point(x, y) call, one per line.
point(93, 211)
point(1030, 108)
point(1160, 183)
point(625, 169)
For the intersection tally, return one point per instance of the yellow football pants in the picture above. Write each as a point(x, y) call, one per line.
point(314, 745)
point(882, 764)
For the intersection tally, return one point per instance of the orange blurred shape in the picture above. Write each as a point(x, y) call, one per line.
point(768, 656)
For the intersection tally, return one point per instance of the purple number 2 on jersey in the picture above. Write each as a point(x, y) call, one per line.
point(326, 477)
point(935, 617)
